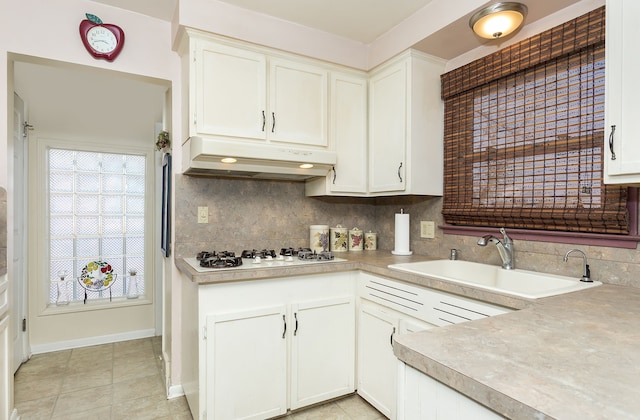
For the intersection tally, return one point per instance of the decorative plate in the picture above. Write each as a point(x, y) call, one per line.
point(97, 275)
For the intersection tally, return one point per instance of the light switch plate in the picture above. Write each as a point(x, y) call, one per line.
point(427, 229)
point(203, 214)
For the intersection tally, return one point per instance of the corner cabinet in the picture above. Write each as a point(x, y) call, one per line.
point(622, 132)
point(405, 126)
point(348, 133)
point(421, 397)
point(241, 92)
point(377, 365)
point(390, 144)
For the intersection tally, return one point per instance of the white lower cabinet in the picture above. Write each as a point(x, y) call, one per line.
point(272, 345)
point(424, 398)
point(322, 350)
point(389, 307)
point(247, 357)
point(247, 364)
point(255, 349)
point(377, 365)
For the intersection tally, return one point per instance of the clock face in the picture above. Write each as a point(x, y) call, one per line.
point(101, 39)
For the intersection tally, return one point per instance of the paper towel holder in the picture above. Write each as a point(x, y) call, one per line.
point(402, 228)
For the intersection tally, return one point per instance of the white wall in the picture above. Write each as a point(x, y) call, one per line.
point(49, 30)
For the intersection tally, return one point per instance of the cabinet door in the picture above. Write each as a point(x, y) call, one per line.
point(376, 361)
point(622, 90)
point(322, 350)
point(388, 129)
point(246, 364)
point(423, 398)
point(349, 133)
point(298, 103)
point(230, 92)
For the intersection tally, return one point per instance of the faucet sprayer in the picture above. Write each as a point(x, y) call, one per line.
point(586, 275)
point(505, 248)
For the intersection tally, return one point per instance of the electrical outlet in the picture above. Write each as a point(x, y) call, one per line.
point(427, 229)
point(203, 214)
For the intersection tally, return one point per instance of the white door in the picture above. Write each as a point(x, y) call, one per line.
point(19, 279)
point(622, 107)
point(349, 133)
point(247, 364)
point(377, 368)
point(297, 103)
point(230, 92)
point(322, 350)
point(388, 129)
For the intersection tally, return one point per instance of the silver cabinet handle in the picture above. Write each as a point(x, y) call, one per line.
point(613, 154)
point(273, 117)
point(264, 120)
point(399, 168)
point(295, 331)
point(334, 174)
point(392, 334)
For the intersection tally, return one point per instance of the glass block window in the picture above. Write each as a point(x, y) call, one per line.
point(96, 213)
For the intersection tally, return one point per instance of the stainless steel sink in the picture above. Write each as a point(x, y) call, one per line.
point(523, 283)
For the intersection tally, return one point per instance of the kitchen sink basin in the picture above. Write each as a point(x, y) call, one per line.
point(523, 283)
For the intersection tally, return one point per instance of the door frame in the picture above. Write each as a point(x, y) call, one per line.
point(19, 283)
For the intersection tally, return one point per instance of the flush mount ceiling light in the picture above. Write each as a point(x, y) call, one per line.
point(498, 20)
point(306, 166)
point(228, 160)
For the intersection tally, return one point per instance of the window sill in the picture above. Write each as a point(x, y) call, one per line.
point(575, 238)
point(94, 305)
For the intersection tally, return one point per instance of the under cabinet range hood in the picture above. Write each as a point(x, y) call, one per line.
point(204, 156)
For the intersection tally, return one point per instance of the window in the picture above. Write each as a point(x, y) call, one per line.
point(524, 135)
point(96, 212)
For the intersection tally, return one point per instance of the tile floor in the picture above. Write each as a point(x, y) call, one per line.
point(125, 381)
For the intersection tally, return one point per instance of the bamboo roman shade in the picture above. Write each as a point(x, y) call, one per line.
point(523, 135)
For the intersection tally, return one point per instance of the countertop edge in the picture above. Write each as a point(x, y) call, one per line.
point(477, 391)
point(372, 262)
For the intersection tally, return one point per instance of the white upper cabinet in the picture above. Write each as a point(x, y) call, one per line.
point(297, 103)
point(229, 92)
point(406, 126)
point(388, 128)
point(622, 133)
point(401, 152)
point(348, 134)
point(242, 92)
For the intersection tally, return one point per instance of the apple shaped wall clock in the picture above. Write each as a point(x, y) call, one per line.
point(102, 40)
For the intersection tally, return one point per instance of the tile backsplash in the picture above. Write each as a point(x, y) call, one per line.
point(247, 214)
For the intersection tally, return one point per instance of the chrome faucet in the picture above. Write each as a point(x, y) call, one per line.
point(505, 249)
point(586, 274)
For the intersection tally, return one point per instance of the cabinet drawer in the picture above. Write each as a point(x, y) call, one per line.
point(402, 297)
point(428, 305)
point(448, 309)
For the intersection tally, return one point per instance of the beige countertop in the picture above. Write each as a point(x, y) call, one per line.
point(573, 356)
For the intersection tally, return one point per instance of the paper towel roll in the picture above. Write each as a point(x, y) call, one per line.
point(402, 235)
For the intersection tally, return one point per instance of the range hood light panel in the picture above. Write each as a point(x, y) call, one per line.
point(228, 160)
point(204, 156)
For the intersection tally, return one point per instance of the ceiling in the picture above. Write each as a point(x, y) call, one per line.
point(359, 20)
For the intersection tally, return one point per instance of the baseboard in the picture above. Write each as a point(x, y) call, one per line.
point(175, 391)
point(91, 341)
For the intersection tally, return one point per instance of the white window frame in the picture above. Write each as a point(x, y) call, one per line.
point(39, 222)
